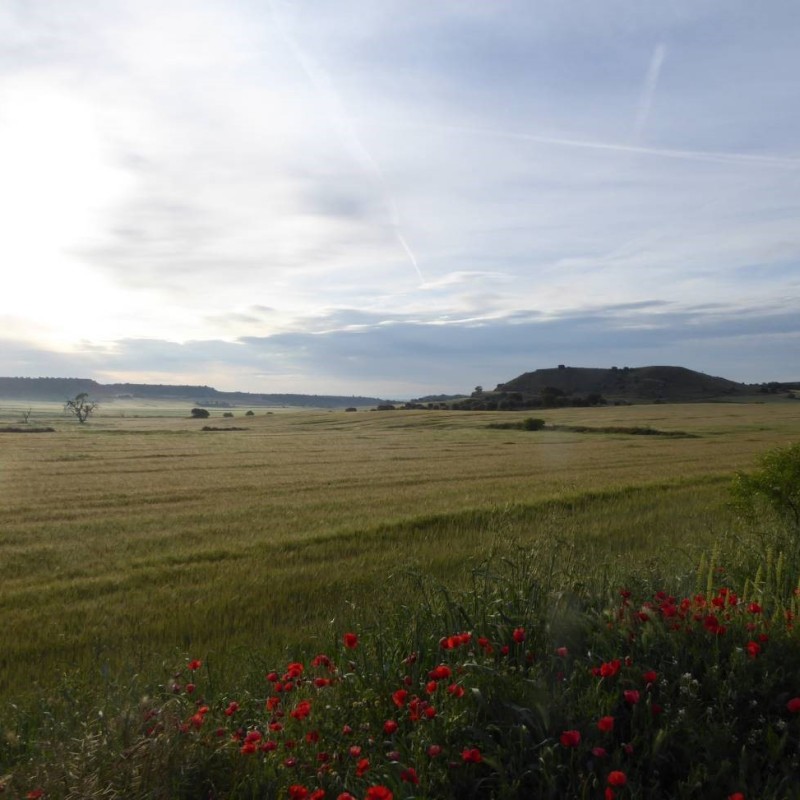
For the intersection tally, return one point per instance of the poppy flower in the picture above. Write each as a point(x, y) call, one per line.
point(399, 697)
point(194, 664)
point(350, 641)
point(440, 673)
point(302, 710)
point(378, 793)
point(519, 635)
point(617, 778)
point(736, 796)
point(570, 738)
point(317, 794)
point(409, 775)
point(631, 696)
point(35, 794)
point(794, 705)
point(562, 652)
point(610, 668)
point(389, 727)
point(362, 766)
point(471, 755)
point(605, 724)
point(434, 750)
point(298, 792)
point(345, 796)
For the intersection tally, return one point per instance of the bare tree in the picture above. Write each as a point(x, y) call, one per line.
point(80, 406)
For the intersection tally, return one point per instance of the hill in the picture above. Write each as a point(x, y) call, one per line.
point(670, 384)
point(59, 389)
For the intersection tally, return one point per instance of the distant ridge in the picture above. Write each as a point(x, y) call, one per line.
point(60, 389)
point(670, 384)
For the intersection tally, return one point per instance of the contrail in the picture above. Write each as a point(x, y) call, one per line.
point(661, 152)
point(649, 91)
point(347, 132)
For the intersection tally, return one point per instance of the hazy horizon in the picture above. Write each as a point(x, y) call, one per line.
point(397, 199)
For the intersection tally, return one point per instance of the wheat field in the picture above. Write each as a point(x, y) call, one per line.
point(138, 535)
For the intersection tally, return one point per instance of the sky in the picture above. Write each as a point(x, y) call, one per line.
point(397, 197)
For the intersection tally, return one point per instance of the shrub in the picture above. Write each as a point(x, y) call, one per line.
point(228, 414)
point(774, 487)
point(532, 424)
point(249, 413)
point(200, 413)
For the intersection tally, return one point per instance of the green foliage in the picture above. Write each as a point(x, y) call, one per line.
point(200, 413)
point(775, 486)
point(530, 678)
point(532, 424)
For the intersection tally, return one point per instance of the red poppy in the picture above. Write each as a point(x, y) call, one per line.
point(350, 641)
point(736, 796)
point(605, 724)
point(570, 738)
point(617, 778)
point(35, 794)
point(345, 796)
point(409, 775)
point(302, 710)
point(753, 649)
point(440, 673)
point(471, 755)
point(317, 794)
point(456, 690)
point(650, 677)
point(599, 752)
point(194, 664)
point(434, 750)
point(355, 751)
point(399, 697)
point(298, 792)
point(389, 727)
point(232, 708)
point(519, 635)
point(631, 696)
point(610, 668)
point(794, 705)
point(562, 652)
point(362, 766)
point(378, 793)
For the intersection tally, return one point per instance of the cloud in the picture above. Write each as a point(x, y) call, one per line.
point(551, 169)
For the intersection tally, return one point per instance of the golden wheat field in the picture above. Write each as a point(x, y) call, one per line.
point(136, 536)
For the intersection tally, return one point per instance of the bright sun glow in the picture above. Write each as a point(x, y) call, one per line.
point(56, 180)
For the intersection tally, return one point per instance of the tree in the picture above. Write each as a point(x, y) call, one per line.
point(200, 413)
point(81, 406)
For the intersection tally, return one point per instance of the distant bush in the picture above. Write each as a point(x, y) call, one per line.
point(200, 413)
point(212, 428)
point(228, 414)
point(352, 408)
point(532, 424)
point(249, 413)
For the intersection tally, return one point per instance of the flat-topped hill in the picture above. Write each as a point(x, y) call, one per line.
point(632, 383)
